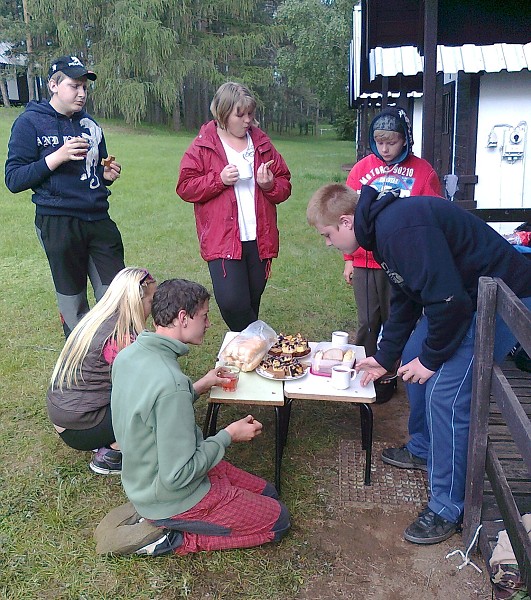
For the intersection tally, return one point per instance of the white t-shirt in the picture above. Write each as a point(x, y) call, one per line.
point(244, 189)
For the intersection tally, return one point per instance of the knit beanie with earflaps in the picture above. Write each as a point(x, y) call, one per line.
point(392, 119)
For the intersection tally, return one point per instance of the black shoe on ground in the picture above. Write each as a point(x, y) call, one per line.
point(106, 461)
point(430, 528)
point(403, 459)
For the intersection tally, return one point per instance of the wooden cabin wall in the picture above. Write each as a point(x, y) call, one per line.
point(466, 142)
point(466, 133)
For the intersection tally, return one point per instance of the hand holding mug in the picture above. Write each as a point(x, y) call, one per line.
point(229, 175)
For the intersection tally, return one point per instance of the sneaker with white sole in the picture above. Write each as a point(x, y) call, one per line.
point(106, 461)
point(430, 528)
point(403, 459)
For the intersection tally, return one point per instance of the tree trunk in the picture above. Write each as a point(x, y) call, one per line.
point(29, 45)
point(3, 91)
point(176, 116)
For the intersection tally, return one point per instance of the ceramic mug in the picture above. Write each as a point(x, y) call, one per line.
point(339, 338)
point(245, 170)
point(342, 377)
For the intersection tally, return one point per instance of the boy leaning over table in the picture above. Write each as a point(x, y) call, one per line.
point(174, 478)
point(434, 253)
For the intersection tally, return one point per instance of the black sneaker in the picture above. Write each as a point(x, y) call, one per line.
point(402, 458)
point(107, 461)
point(430, 528)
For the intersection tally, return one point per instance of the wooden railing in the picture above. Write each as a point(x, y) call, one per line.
point(495, 298)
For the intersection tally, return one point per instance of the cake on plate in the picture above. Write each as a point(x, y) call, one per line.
point(290, 345)
point(282, 366)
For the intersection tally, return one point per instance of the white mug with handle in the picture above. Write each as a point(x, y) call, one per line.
point(342, 377)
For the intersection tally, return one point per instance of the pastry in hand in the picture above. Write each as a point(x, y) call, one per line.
point(106, 162)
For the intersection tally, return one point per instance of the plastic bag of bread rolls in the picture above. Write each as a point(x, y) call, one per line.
point(248, 348)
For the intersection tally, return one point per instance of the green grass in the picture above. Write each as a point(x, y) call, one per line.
point(50, 502)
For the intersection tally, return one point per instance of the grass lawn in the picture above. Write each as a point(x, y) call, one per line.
point(50, 502)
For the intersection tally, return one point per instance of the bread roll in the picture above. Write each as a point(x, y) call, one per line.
point(348, 357)
point(245, 352)
point(333, 354)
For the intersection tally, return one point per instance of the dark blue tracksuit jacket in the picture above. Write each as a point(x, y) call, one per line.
point(434, 253)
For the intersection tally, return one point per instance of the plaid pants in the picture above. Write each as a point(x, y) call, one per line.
point(233, 514)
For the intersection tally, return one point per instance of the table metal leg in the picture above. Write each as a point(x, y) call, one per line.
point(279, 448)
point(282, 417)
point(206, 425)
point(366, 438)
point(285, 414)
point(214, 418)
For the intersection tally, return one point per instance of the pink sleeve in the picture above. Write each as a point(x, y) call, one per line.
point(353, 182)
point(110, 350)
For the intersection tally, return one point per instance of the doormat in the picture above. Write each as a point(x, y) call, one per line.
point(389, 485)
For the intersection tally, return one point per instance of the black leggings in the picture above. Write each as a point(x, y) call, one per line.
point(91, 439)
point(239, 285)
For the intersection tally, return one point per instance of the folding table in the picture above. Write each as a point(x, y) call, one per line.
point(255, 390)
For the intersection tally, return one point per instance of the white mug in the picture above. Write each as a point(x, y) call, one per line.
point(339, 338)
point(342, 377)
point(245, 170)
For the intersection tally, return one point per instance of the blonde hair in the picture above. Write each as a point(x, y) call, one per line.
point(229, 95)
point(382, 135)
point(122, 298)
point(329, 203)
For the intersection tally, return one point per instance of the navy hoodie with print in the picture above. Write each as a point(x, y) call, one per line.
point(75, 188)
point(452, 250)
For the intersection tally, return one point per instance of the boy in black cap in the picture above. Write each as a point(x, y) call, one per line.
point(57, 150)
point(392, 165)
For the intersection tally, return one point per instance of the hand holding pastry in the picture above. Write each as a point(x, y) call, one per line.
point(111, 169)
point(264, 176)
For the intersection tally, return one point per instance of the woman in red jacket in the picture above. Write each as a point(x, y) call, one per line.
point(235, 178)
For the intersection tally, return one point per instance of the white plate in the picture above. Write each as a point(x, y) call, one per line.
point(267, 375)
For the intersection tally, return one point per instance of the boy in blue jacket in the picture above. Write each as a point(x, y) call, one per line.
point(431, 324)
point(58, 150)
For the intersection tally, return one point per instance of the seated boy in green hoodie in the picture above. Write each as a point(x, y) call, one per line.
point(175, 478)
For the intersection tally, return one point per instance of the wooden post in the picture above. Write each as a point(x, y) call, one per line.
point(385, 92)
point(429, 79)
point(479, 408)
point(29, 45)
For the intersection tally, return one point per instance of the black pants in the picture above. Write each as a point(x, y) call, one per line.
point(76, 250)
point(98, 436)
point(239, 285)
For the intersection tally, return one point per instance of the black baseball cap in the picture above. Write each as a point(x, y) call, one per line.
point(72, 67)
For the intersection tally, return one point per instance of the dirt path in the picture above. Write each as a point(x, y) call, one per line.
point(368, 557)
